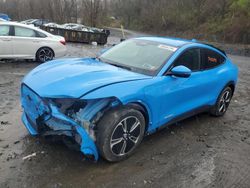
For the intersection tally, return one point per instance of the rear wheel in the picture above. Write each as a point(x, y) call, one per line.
point(119, 133)
point(44, 54)
point(223, 102)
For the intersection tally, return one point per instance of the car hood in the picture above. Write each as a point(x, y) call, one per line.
point(72, 78)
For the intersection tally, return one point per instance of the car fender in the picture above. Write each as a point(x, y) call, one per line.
point(126, 93)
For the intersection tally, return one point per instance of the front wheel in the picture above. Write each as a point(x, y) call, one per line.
point(222, 103)
point(44, 54)
point(119, 133)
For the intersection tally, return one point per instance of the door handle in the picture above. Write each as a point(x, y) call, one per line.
point(36, 41)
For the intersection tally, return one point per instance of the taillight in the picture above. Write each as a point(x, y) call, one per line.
point(63, 42)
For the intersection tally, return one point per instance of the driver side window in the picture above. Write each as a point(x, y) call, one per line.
point(189, 59)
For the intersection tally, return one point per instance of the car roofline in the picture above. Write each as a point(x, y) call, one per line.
point(26, 26)
point(185, 42)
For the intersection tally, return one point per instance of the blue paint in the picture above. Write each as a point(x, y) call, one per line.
point(27, 124)
point(164, 97)
point(181, 70)
point(79, 76)
point(35, 107)
point(5, 17)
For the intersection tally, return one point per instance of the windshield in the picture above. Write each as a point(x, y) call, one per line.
point(139, 55)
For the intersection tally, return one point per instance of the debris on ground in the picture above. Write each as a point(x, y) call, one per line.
point(200, 139)
point(16, 142)
point(94, 43)
point(29, 156)
point(6, 146)
point(11, 156)
point(4, 122)
point(208, 146)
point(205, 134)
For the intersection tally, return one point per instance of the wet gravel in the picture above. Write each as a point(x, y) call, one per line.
point(201, 151)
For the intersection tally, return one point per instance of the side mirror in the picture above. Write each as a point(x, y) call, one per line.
point(180, 71)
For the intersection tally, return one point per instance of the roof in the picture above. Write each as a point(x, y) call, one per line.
point(24, 25)
point(178, 42)
point(169, 41)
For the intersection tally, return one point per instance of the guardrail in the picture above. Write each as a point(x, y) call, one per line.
point(79, 36)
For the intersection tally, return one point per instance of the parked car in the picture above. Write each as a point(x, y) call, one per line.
point(39, 22)
point(2, 20)
point(35, 22)
point(5, 17)
point(27, 21)
point(20, 41)
point(109, 103)
point(70, 25)
point(51, 24)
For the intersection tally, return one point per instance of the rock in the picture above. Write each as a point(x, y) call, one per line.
point(4, 123)
point(94, 43)
point(145, 182)
point(192, 176)
point(6, 146)
point(16, 142)
point(208, 146)
point(205, 134)
point(243, 139)
point(11, 156)
point(200, 139)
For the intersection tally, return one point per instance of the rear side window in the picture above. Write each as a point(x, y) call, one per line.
point(41, 35)
point(4, 30)
point(211, 59)
point(24, 32)
point(189, 59)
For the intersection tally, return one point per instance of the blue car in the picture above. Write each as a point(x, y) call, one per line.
point(5, 17)
point(107, 104)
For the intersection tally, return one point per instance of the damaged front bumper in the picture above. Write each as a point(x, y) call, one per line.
point(41, 118)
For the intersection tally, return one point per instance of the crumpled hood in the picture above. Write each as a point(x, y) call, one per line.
point(75, 77)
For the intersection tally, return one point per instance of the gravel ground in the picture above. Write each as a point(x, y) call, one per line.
point(201, 151)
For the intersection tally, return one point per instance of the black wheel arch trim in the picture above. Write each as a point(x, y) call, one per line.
point(141, 108)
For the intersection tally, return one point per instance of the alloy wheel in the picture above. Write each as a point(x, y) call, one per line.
point(45, 54)
point(224, 101)
point(125, 136)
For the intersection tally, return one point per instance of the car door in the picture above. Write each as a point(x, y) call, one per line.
point(213, 68)
point(25, 42)
point(6, 45)
point(181, 97)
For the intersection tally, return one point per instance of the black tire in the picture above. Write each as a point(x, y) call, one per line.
point(222, 103)
point(44, 54)
point(111, 128)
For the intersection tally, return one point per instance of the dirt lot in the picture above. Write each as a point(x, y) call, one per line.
point(202, 151)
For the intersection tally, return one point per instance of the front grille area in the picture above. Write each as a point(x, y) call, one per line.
point(34, 107)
